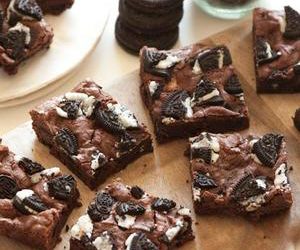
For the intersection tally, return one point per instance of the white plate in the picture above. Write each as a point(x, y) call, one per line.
point(76, 32)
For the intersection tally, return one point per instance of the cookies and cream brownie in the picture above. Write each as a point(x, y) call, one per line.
point(34, 202)
point(23, 33)
point(239, 175)
point(90, 132)
point(124, 217)
point(192, 89)
point(276, 39)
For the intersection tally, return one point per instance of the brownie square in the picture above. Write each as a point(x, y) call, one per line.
point(276, 37)
point(239, 175)
point(124, 217)
point(90, 132)
point(190, 90)
point(34, 202)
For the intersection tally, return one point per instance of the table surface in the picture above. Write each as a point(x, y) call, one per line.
point(108, 61)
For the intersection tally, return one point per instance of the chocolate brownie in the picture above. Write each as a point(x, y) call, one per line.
point(276, 38)
point(124, 217)
point(23, 33)
point(149, 23)
point(238, 175)
point(90, 132)
point(155, 6)
point(190, 90)
point(133, 40)
point(34, 202)
point(296, 119)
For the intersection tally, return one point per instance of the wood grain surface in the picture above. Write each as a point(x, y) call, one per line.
point(166, 172)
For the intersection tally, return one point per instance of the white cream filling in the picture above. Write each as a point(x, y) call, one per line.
point(281, 179)
point(125, 221)
point(95, 160)
point(253, 203)
point(24, 193)
point(22, 28)
point(282, 23)
point(61, 112)
point(196, 68)
point(168, 120)
point(103, 242)
point(187, 103)
point(221, 59)
point(268, 50)
point(51, 172)
point(184, 211)
point(197, 194)
point(168, 62)
point(83, 226)
point(125, 116)
point(128, 241)
point(153, 85)
point(172, 232)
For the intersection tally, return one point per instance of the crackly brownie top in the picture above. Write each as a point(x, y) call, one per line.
point(124, 217)
point(91, 127)
point(247, 172)
point(32, 197)
point(277, 43)
point(21, 21)
point(191, 83)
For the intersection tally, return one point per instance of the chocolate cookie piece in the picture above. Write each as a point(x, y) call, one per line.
point(149, 24)
point(67, 141)
point(155, 6)
point(30, 167)
point(296, 119)
point(125, 222)
point(133, 41)
point(264, 52)
point(292, 29)
point(62, 187)
point(8, 187)
point(237, 181)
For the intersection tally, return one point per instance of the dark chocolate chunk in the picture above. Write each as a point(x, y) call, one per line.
point(29, 8)
point(151, 59)
point(129, 208)
point(67, 140)
point(62, 187)
point(137, 192)
point(163, 204)
point(296, 119)
point(249, 186)
point(264, 52)
point(210, 59)
point(203, 153)
point(126, 143)
point(266, 149)
point(100, 208)
point(108, 120)
point(70, 107)
point(173, 105)
point(30, 167)
point(141, 242)
point(29, 205)
point(14, 42)
point(204, 182)
point(233, 85)
point(292, 28)
point(8, 187)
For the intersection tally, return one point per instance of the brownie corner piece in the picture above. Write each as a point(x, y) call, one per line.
point(35, 202)
point(192, 89)
point(124, 217)
point(238, 175)
point(276, 37)
point(90, 132)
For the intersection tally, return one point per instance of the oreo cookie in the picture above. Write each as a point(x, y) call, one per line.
point(249, 186)
point(126, 143)
point(14, 42)
point(139, 241)
point(62, 187)
point(264, 52)
point(292, 28)
point(30, 167)
point(267, 148)
point(67, 140)
point(173, 105)
point(8, 187)
point(203, 181)
point(163, 204)
point(233, 85)
point(133, 41)
point(27, 202)
point(100, 208)
point(137, 192)
point(29, 8)
point(129, 208)
point(71, 107)
point(203, 153)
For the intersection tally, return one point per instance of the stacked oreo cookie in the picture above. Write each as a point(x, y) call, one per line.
point(148, 22)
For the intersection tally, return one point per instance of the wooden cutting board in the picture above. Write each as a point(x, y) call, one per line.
point(166, 172)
